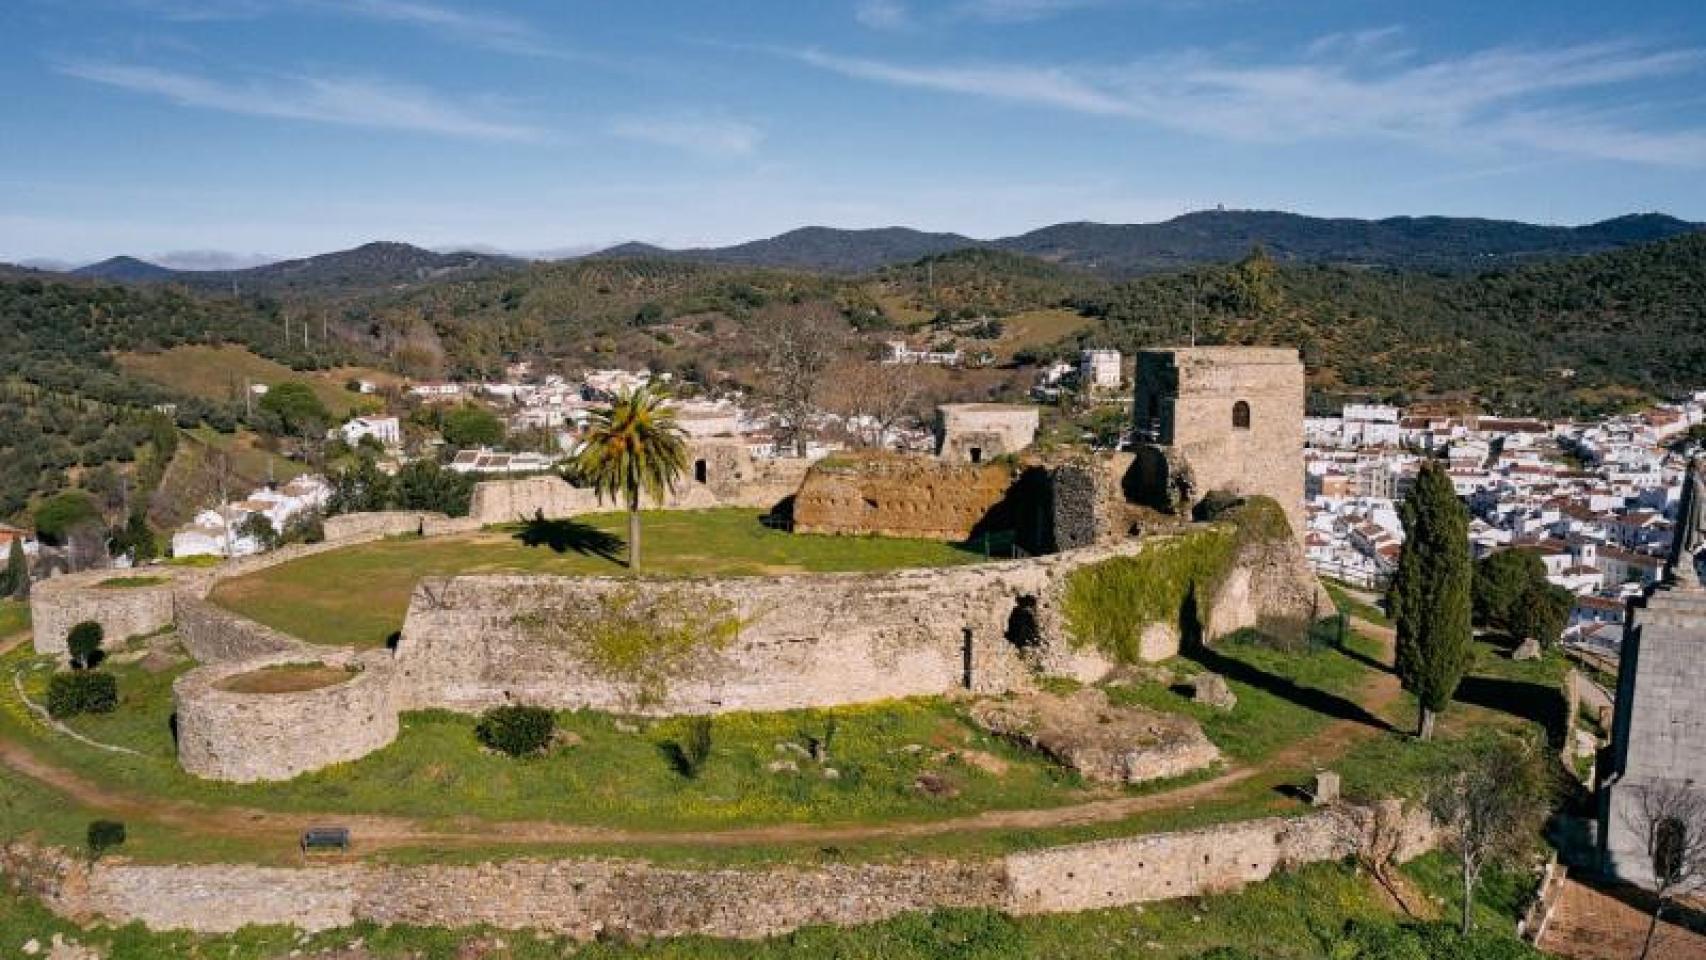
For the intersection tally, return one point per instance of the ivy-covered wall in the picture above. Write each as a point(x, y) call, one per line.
point(1178, 582)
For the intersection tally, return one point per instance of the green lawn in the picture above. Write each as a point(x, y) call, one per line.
point(358, 595)
point(617, 774)
point(14, 617)
point(1282, 697)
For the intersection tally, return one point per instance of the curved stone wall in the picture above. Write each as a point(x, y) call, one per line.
point(212, 634)
point(244, 737)
point(58, 604)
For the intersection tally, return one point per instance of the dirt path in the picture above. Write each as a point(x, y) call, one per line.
point(379, 832)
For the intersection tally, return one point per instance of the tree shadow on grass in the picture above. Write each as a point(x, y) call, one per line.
point(1309, 698)
point(1534, 702)
point(563, 536)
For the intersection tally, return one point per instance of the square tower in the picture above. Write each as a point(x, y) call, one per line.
point(1220, 418)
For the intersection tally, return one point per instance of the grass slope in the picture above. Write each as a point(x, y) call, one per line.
point(220, 372)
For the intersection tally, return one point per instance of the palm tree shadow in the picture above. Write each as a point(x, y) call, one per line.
point(563, 536)
point(1309, 698)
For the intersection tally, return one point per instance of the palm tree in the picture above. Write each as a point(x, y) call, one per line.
point(634, 447)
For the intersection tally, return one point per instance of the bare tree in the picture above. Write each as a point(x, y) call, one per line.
point(1670, 818)
point(800, 342)
point(874, 397)
point(1492, 809)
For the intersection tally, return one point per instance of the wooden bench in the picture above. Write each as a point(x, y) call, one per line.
point(325, 838)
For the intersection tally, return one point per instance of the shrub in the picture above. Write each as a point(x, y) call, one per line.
point(84, 643)
point(85, 691)
point(688, 755)
point(104, 835)
point(517, 731)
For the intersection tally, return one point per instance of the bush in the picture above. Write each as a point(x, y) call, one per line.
point(688, 755)
point(87, 691)
point(84, 643)
point(517, 731)
point(104, 835)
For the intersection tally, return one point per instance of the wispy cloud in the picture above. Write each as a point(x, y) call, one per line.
point(470, 25)
point(493, 31)
point(707, 136)
point(1020, 11)
point(355, 102)
point(882, 14)
point(1500, 96)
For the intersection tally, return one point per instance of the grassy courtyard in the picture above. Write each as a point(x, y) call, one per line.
point(358, 596)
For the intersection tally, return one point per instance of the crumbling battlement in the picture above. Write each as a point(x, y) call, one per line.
point(890, 495)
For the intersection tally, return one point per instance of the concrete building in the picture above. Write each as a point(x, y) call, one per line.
point(1220, 418)
point(1099, 370)
point(386, 430)
point(977, 432)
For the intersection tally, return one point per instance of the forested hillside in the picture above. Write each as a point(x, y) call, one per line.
point(67, 408)
point(1570, 336)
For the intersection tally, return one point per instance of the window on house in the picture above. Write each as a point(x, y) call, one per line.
point(699, 471)
point(1241, 416)
point(976, 454)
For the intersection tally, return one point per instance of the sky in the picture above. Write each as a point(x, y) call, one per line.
point(210, 133)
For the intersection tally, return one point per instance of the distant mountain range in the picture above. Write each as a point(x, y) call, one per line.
point(1216, 236)
point(1109, 250)
point(367, 267)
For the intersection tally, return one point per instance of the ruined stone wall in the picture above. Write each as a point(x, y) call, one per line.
point(1075, 503)
point(387, 523)
point(1112, 873)
point(813, 640)
point(732, 478)
point(212, 634)
point(897, 496)
point(60, 603)
point(592, 897)
point(1222, 418)
point(1165, 866)
point(245, 737)
point(1269, 587)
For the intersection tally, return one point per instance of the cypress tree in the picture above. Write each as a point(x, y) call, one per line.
point(1430, 597)
point(15, 579)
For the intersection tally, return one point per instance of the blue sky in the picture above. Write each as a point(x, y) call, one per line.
point(177, 128)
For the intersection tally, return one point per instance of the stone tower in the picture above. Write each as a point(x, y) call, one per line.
point(1658, 732)
point(1220, 418)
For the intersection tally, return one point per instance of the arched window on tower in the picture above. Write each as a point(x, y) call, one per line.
point(1241, 416)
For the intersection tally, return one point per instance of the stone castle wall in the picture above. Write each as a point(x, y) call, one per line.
point(589, 898)
point(472, 642)
point(1190, 400)
point(244, 737)
point(212, 634)
point(897, 496)
point(478, 641)
point(60, 603)
point(732, 477)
